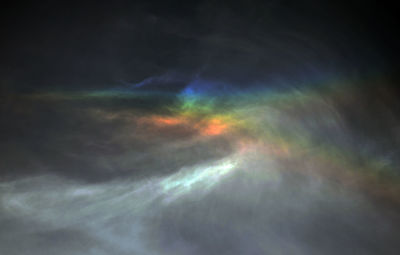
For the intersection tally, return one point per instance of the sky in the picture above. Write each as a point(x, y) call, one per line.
point(199, 127)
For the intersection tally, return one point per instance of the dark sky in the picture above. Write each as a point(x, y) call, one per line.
point(89, 45)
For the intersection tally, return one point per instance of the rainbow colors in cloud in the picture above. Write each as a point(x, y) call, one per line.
point(288, 126)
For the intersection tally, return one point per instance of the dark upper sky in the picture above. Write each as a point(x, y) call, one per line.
point(52, 45)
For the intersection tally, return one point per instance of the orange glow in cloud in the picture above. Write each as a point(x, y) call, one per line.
point(168, 121)
point(214, 127)
point(211, 127)
point(163, 121)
